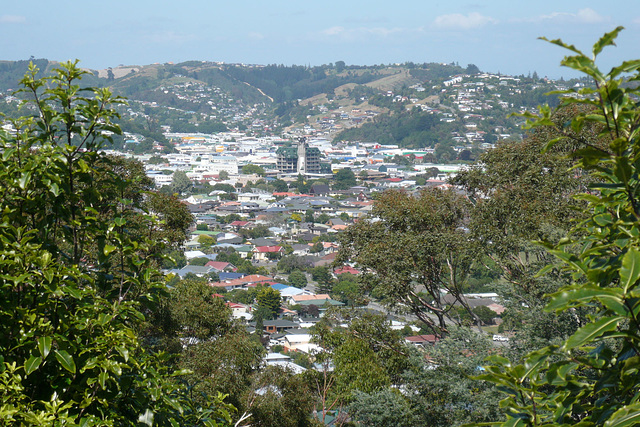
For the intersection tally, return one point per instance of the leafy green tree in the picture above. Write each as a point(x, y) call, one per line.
point(317, 247)
point(74, 283)
point(309, 216)
point(590, 378)
point(348, 292)
point(322, 275)
point(442, 392)
point(200, 261)
point(206, 241)
point(416, 242)
point(269, 299)
point(280, 186)
point(344, 179)
point(383, 408)
point(278, 398)
point(253, 169)
point(298, 279)
point(323, 218)
point(181, 184)
point(289, 263)
point(223, 175)
point(199, 314)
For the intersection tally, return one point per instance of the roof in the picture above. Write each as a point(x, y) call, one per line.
point(345, 269)
point(309, 297)
point(219, 265)
point(422, 339)
point(268, 249)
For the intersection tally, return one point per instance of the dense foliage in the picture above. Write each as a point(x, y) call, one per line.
point(591, 378)
point(76, 273)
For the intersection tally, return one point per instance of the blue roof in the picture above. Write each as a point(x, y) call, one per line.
point(279, 286)
point(230, 276)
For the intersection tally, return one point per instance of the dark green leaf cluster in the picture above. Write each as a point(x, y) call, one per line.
point(591, 378)
point(77, 273)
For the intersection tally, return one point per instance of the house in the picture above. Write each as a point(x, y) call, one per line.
point(320, 190)
point(277, 359)
point(198, 270)
point(242, 282)
point(265, 253)
point(221, 266)
point(299, 340)
point(276, 326)
point(346, 269)
point(422, 340)
point(239, 311)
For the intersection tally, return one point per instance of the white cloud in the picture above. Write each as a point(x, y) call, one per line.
point(458, 21)
point(12, 19)
point(255, 36)
point(585, 16)
point(589, 16)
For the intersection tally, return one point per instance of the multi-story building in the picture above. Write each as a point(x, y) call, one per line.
point(300, 159)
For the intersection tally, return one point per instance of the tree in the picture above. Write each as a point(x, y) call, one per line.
point(181, 184)
point(383, 408)
point(309, 216)
point(200, 261)
point(251, 169)
point(298, 279)
point(322, 275)
point(344, 179)
point(277, 397)
point(289, 263)
point(269, 299)
point(316, 248)
point(206, 241)
point(280, 186)
point(199, 314)
point(416, 242)
point(591, 378)
point(223, 175)
point(74, 283)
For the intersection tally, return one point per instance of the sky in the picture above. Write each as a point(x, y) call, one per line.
point(496, 35)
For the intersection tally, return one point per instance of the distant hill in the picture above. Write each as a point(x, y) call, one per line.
point(247, 83)
point(412, 105)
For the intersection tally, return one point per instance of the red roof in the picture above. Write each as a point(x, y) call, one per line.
point(346, 269)
point(267, 249)
point(219, 265)
point(239, 223)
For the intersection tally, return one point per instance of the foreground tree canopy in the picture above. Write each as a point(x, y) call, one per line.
point(591, 378)
point(78, 258)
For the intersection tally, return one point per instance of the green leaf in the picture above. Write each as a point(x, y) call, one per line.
point(630, 270)
point(32, 364)
point(625, 416)
point(580, 295)
point(591, 331)
point(146, 418)
point(102, 379)
point(606, 40)
point(108, 249)
point(66, 360)
point(44, 345)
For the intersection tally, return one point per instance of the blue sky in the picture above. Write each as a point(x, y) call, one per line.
point(496, 35)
